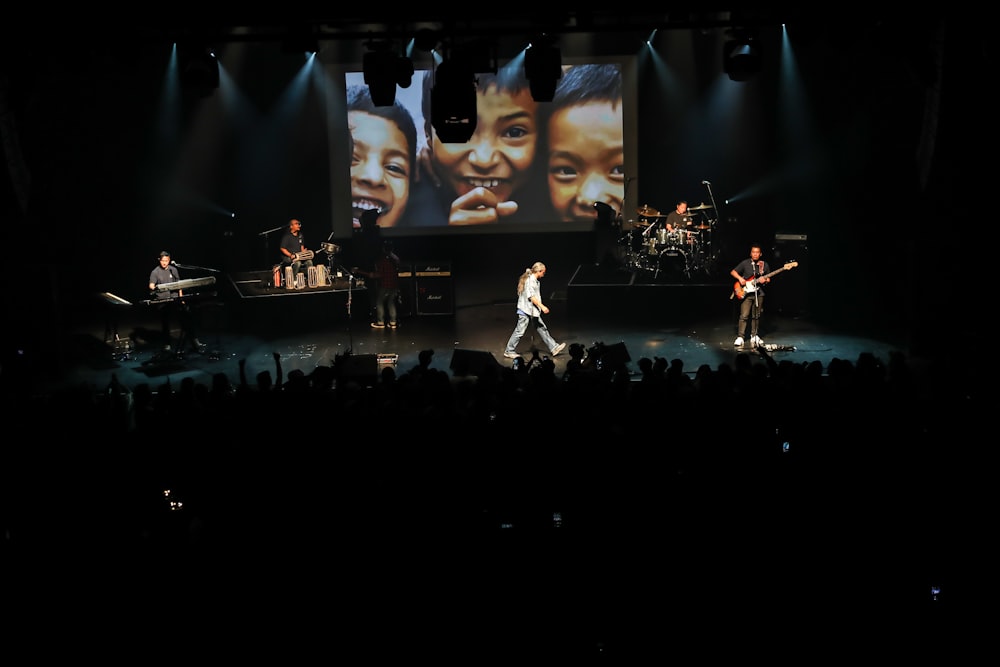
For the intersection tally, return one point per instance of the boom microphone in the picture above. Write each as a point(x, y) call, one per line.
point(705, 183)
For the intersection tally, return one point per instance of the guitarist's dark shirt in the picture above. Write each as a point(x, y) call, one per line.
point(746, 269)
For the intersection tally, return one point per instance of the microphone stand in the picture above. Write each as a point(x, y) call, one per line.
point(350, 296)
point(195, 268)
point(712, 223)
point(757, 272)
point(264, 235)
point(619, 220)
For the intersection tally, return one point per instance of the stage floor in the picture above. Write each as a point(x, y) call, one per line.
point(693, 322)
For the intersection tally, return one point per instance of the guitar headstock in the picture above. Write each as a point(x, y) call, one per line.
point(791, 265)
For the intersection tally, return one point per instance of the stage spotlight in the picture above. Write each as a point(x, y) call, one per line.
point(453, 101)
point(300, 39)
point(740, 59)
point(384, 70)
point(542, 68)
point(605, 214)
point(199, 69)
point(426, 39)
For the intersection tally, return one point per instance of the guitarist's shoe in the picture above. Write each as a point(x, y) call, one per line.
point(739, 341)
point(378, 325)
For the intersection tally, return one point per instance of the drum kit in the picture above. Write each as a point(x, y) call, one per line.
point(650, 248)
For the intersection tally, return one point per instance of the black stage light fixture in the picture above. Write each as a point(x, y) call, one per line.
point(198, 67)
point(605, 214)
point(453, 101)
point(300, 39)
point(384, 70)
point(741, 58)
point(542, 68)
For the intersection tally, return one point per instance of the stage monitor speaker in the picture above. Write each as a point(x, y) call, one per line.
point(472, 362)
point(608, 357)
point(788, 293)
point(405, 307)
point(434, 290)
point(360, 368)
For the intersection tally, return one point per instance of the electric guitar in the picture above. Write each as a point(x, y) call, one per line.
point(752, 286)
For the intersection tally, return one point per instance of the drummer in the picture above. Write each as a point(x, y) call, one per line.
point(679, 219)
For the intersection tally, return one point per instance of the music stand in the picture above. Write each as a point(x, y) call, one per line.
point(122, 348)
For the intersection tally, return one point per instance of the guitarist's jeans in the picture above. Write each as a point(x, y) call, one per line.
point(522, 326)
point(751, 309)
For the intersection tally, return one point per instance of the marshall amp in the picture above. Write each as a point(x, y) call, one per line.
point(435, 293)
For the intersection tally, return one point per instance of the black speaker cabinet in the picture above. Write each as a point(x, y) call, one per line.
point(433, 288)
point(472, 362)
point(788, 292)
point(406, 305)
point(360, 368)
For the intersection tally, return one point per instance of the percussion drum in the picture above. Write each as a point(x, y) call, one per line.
point(674, 238)
point(672, 261)
point(651, 246)
point(330, 248)
point(661, 236)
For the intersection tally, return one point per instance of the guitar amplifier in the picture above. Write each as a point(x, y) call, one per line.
point(405, 307)
point(790, 294)
point(433, 287)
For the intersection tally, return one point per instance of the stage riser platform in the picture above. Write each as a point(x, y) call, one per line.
point(596, 292)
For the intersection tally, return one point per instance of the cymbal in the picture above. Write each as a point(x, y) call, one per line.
point(646, 209)
point(700, 207)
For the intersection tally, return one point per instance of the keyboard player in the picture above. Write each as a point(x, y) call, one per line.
point(171, 304)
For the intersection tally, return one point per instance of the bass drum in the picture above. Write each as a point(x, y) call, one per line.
point(672, 262)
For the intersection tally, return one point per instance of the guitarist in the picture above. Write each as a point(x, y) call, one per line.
point(750, 275)
point(293, 249)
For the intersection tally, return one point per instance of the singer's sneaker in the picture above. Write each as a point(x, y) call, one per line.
point(558, 348)
point(511, 355)
point(756, 342)
point(739, 341)
point(378, 325)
